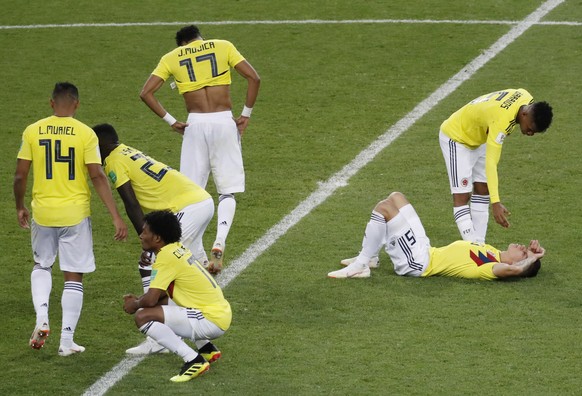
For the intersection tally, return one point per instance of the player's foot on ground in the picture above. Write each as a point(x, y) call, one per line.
point(216, 254)
point(210, 352)
point(39, 336)
point(192, 369)
point(70, 350)
point(148, 347)
point(373, 263)
point(351, 271)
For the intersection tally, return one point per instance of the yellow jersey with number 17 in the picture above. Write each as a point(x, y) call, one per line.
point(199, 64)
point(60, 148)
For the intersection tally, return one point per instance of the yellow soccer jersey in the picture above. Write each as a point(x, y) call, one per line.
point(189, 284)
point(199, 64)
point(60, 148)
point(487, 119)
point(156, 185)
point(463, 259)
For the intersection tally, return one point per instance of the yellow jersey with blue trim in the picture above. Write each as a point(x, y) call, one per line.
point(463, 259)
point(189, 285)
point(199, 64)
point(488, 119)
point(60, 148)
point(156, 185)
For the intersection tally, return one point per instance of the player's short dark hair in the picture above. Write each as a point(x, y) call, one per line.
point(165, 224)
point(542, 115)
point(106, 133)
point(65, 90)
point(187, 33)
point(533, 269)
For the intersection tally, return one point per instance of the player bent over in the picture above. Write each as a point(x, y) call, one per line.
point(198, 311)
point(395, 224)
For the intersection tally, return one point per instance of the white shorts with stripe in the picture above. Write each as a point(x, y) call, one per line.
point(74, 245)
point(190, 323)
point(408, 249)
point(464, 166)
point(194, 219)
point(212, 143)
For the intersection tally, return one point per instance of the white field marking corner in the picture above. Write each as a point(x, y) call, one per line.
point(327, 188)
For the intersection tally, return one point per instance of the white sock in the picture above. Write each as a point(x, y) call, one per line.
point(462, 215)
point(71, 302)
point(225, 216)
point(200, 343)
point(41, 283)
point(480, 216)
point(167, 338)
point(412, 218)
point(145, 278)
point(373, 238)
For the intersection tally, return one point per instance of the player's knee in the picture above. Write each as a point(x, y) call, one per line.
point(222, 197)
point(37, 266)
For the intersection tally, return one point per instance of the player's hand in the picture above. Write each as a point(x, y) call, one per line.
point(536, 248)
point(23, 217)
point(241, 124)
point(180, 127)
point(146, 259)
point(129, 305)
point(500, 213)
point(120, 229)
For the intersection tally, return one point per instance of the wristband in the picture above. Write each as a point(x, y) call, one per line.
point(246, 112)
point(169, 119)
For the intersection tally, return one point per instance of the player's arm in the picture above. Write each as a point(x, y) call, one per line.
point(503, 270)
point(247, 71)
point(102, 187)
point(132, 206)
point(492, 156)
point(20, 178)
point(147, 95)
point(153, 297)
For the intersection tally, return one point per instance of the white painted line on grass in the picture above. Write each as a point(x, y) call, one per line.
point(340, 179)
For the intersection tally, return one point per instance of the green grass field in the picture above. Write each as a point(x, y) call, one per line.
point(328, 91)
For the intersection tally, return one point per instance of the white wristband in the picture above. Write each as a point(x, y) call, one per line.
point(246, 112)
point(169, 119)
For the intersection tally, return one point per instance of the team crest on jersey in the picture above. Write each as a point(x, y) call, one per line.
point(481, 258)
point(112, 177)
point(500, 137)
point(464, 182)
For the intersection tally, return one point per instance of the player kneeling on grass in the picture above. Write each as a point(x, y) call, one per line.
point(198, 310)
point(395, 224)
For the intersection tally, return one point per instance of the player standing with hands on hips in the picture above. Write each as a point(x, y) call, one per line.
point(211, 136)
point(471, 140)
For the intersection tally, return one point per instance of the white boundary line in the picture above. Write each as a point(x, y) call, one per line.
point(340, 179)
point(287, 22)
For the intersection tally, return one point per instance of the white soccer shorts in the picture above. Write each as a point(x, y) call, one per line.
point(464, 166)
point(408, 250)
point(212, 143)
point(194, 219)
point(190, 323)
point(74, 245)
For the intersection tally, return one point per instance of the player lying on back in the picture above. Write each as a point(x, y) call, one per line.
point(395, 224)
point(198, 309)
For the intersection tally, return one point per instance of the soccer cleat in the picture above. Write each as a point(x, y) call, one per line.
point(373, 263)
point(351, 271)
point(217, 252)
point(210, 352)
point(39, 336)
point(67, 351)
point(147, 347)
point(192, 369)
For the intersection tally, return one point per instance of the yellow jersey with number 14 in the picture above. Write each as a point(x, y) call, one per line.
point(60, 148)
point(199, 64)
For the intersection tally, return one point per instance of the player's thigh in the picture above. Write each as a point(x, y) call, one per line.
point(459, 162)
point(190, 323)
point(479, 165)
point(194, 157)
point(44, 241)
point(76, 248)
point(194, 219)
point(408, 251)
point(226, 158)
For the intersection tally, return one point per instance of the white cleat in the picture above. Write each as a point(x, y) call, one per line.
point(351, 271)
point(148, 347)
point(373, 263)
point(73, 349)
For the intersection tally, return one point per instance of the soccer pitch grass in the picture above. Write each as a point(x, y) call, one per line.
point(328, 91)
